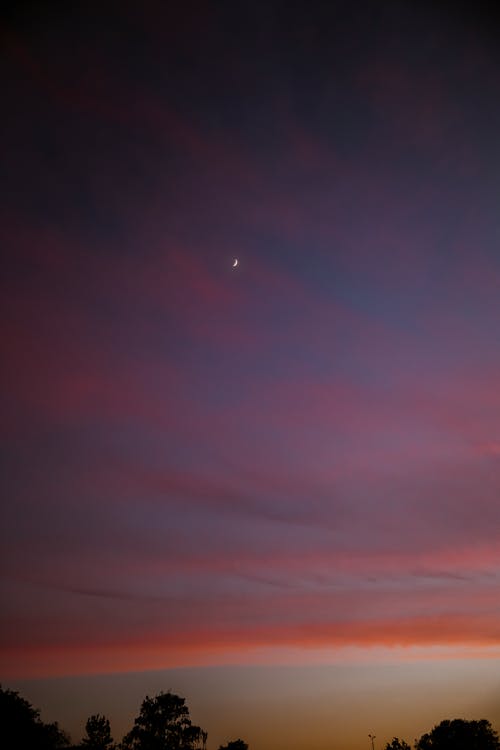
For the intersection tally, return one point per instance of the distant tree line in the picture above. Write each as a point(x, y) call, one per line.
point(164, 724)
point(457, 734)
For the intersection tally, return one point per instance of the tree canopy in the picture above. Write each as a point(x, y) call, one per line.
point(164, 724)
point(22, 726)
point(397, 744)
point(459, 734)
point(234, 745)
point(98, 734)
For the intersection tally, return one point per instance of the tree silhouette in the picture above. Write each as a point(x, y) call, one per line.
point(234, 745)
point(397, 744)
point(98, 734)
point(22, 726)
point(164, 724)
point(460, 734)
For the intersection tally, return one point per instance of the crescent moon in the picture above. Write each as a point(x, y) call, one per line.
point(235, 262)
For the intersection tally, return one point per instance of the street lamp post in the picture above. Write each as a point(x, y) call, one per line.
point(372, 737)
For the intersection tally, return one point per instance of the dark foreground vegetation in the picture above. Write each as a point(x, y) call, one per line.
point(164, 724)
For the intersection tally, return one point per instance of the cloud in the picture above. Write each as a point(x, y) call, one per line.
point(302, 453)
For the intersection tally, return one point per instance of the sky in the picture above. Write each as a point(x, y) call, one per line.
point(272, 488)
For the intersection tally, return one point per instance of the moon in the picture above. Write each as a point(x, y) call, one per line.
point(235, 262)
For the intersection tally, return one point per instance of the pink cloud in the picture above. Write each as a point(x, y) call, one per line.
point(302, 453)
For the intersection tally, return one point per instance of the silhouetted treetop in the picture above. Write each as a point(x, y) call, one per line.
point(23, 728)
point(164, 724)
point(234, 745)
point(397, 744)
point(459, 734)
point(98, 731)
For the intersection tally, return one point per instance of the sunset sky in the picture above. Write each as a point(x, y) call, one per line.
point(273, 489)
